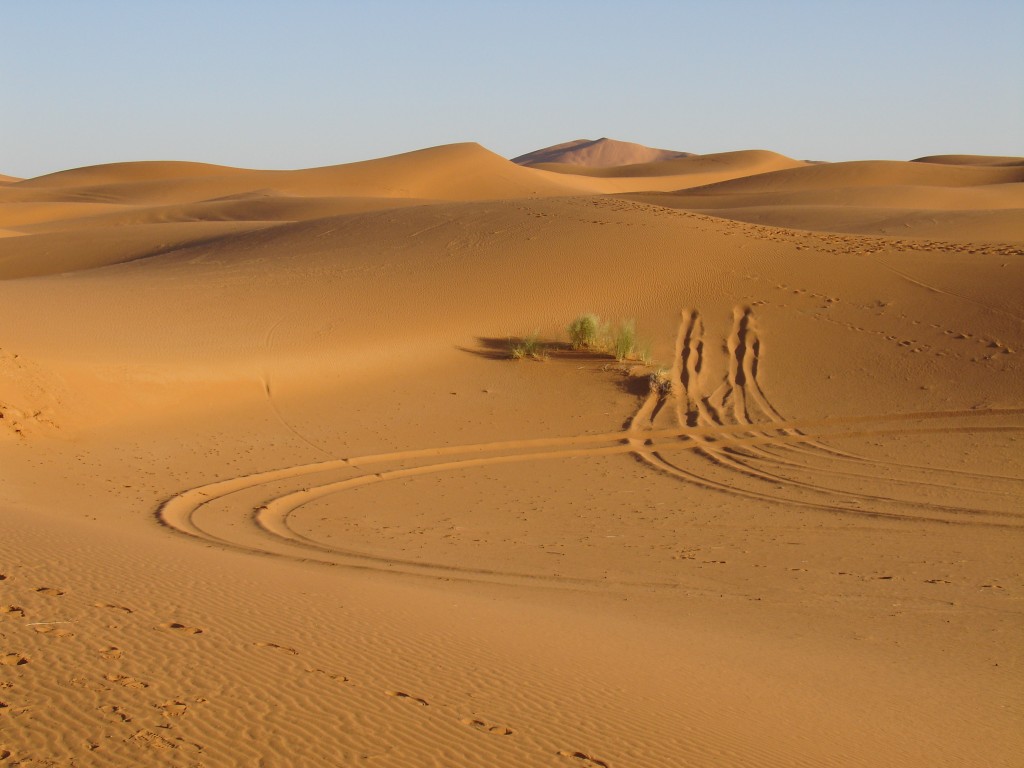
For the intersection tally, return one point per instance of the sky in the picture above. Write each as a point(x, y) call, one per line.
point(267, 84)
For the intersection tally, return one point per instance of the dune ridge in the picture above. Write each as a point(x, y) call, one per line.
point(457, 171)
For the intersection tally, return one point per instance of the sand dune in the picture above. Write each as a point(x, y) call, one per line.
point(675, 174)
point(597, 153)
point(724, 165)
point(457, 171)
point(126, 173)
point(870, 173)
point(273, 490)
point(968, 225)
point(976, 202)
point(983, 160)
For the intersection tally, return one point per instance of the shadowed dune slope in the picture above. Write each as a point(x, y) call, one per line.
point(247, 209)
point(868, 173)
point(59, 252)
point(599, 153)
point(983, 160)
point(724, 165)
point(677, 173)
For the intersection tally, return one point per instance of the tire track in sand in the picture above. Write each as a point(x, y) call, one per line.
point(728, 429)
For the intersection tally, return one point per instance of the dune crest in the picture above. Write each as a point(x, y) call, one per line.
point(451, 172)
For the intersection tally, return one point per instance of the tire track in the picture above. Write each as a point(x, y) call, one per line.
point(735, 430)
point(742, 389)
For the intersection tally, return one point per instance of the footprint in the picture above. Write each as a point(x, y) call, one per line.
point(407, 697)
point(52, 631)
point(12, 660)
point(173, 708)
point(480, 725)
point(115, 713)
point(277, 647)
point(12, 610)
point(333, 675)
point(50, 591)
point(127, 682)
point(584, 758)
point(111, 652)
point(82, 682)
point(182, 628)
point(113, 607)
point(6, 709)
point(152, 740)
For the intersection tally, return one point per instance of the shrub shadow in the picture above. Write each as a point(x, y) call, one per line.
point(499, 348)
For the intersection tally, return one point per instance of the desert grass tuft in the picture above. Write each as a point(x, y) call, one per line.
point(623, 340)
point(585, 332)
point(529, 346)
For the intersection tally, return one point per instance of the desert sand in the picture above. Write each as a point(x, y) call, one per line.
point(274, 493)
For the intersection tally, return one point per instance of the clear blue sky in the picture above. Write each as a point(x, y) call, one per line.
point(302, 83)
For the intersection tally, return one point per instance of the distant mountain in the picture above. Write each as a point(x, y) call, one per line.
point(598, 153)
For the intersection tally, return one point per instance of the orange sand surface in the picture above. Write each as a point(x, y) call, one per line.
point(273, 492)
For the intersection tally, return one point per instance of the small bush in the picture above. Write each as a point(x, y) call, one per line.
point(529, 346)
point(661, 381)
point(585, 332)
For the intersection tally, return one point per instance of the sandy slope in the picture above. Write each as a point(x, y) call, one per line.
point(974, 201)
point(273, 492)
point(983, 160)
point(676, 173)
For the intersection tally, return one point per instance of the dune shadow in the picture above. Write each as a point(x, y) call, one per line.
point(638, 386)
point(500, 348)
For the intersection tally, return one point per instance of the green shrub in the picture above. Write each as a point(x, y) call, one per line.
point(585, 332)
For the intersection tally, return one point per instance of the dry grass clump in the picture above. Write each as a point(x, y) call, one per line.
point(622, 342)
point(529, 346)
point(586, 332)
point(661, 381)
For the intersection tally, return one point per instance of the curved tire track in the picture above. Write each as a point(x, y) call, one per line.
point(743, 448)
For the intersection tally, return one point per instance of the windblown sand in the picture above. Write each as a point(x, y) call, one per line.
point(272, 492)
